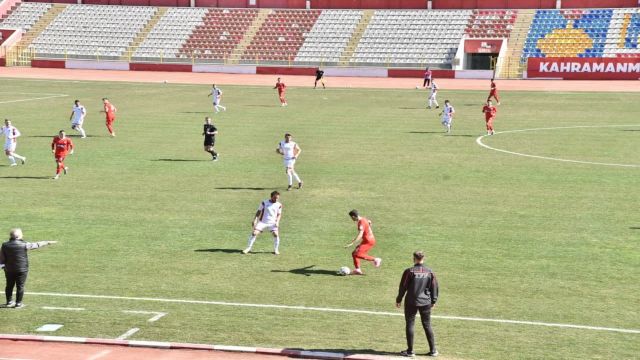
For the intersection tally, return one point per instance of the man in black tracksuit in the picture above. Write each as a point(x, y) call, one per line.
point(14, 259)
point(421, 287)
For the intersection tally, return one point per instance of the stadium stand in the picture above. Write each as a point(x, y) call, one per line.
point(622, 38)
point(25, 15)
point(92, 30)
point(568, 33)
point(221, 31)
point(411, 37)
point(491, 23)
point(280, 36)
point(329, 36)
point(170, 34)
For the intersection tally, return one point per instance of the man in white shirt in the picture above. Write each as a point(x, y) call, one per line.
point(447, 115)
point(290, 152)
point(432, 96)
point(11, 135)
point(78, 112)
point(267, 218)
point(217, 98)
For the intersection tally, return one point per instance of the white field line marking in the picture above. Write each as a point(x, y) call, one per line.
point(157, 315)
point(62, 308)
point(36, 98)
point(128, 333)
point(350, 311)
point(99, 355)
point(479, 142)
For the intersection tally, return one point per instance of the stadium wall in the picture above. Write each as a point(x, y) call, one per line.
point(537, 68)
point(584, 68)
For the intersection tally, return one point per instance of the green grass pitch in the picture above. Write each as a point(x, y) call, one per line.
point(147, 214)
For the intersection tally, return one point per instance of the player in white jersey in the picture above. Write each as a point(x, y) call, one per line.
point(267, 218)
point(217, 98)
point(11, 135)
point(432, 96)
point(447, 115)
point(290, 152)
point(78, 112)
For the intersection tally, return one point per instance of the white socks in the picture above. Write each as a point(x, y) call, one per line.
point(221, 107)
point(12, 160)
point(290, 178)
point(434, 102)
point(252, 239)
point(276, 243)
point(295, 175)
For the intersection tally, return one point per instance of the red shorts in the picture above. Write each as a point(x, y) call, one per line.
point(364, 248)
point(110, 119)
point(60, 157)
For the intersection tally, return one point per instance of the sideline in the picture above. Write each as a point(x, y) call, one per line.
point(49, 96)
point(479, 142)
point(335, 310)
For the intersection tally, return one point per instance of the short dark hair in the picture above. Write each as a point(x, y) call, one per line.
point(418, 255)
point(287, 134)
point(103, 99)
point(353, 213)
point(76, 101)
point(274, 193)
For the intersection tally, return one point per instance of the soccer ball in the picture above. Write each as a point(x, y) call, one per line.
point(417, 87)
point(345, 270)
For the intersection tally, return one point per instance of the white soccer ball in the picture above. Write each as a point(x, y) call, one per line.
point(345, 270)
point(417, 87)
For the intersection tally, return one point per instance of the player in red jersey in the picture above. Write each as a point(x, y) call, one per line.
point(61, 146)
point(368, 241)
point(110, 112)
point(427, 78)
point(281, 90)
point(494, 92)
point(489, 115)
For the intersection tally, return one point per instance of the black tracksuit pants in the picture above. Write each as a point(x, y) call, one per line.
point(15, 279)
point(410, 319)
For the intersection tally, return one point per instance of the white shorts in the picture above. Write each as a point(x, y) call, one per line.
point(77, 122)
point(432, 97)
point(260, 226)
point(446, 121)
point(10, 146)
point(289, 163)
point(216, 102)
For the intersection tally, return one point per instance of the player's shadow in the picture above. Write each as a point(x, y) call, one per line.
point(348, 352)
point(457, 135)
point(241, 188)
point(308, 271)
point(180, 160)
point(634, 227)
point(27, 177)
point(630, 130)
point(226, 251)
point(426, 132)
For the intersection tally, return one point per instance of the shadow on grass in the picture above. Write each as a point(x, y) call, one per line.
point(196, 112)
point(411, 108)
point(630, 130)
point(634, 227)
point(308, 271)
point(226, 251)
point(27, 177)
point(460, 135)
point(349, 351)
point(261, 105)
point(241, 188)
point(180, 160)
